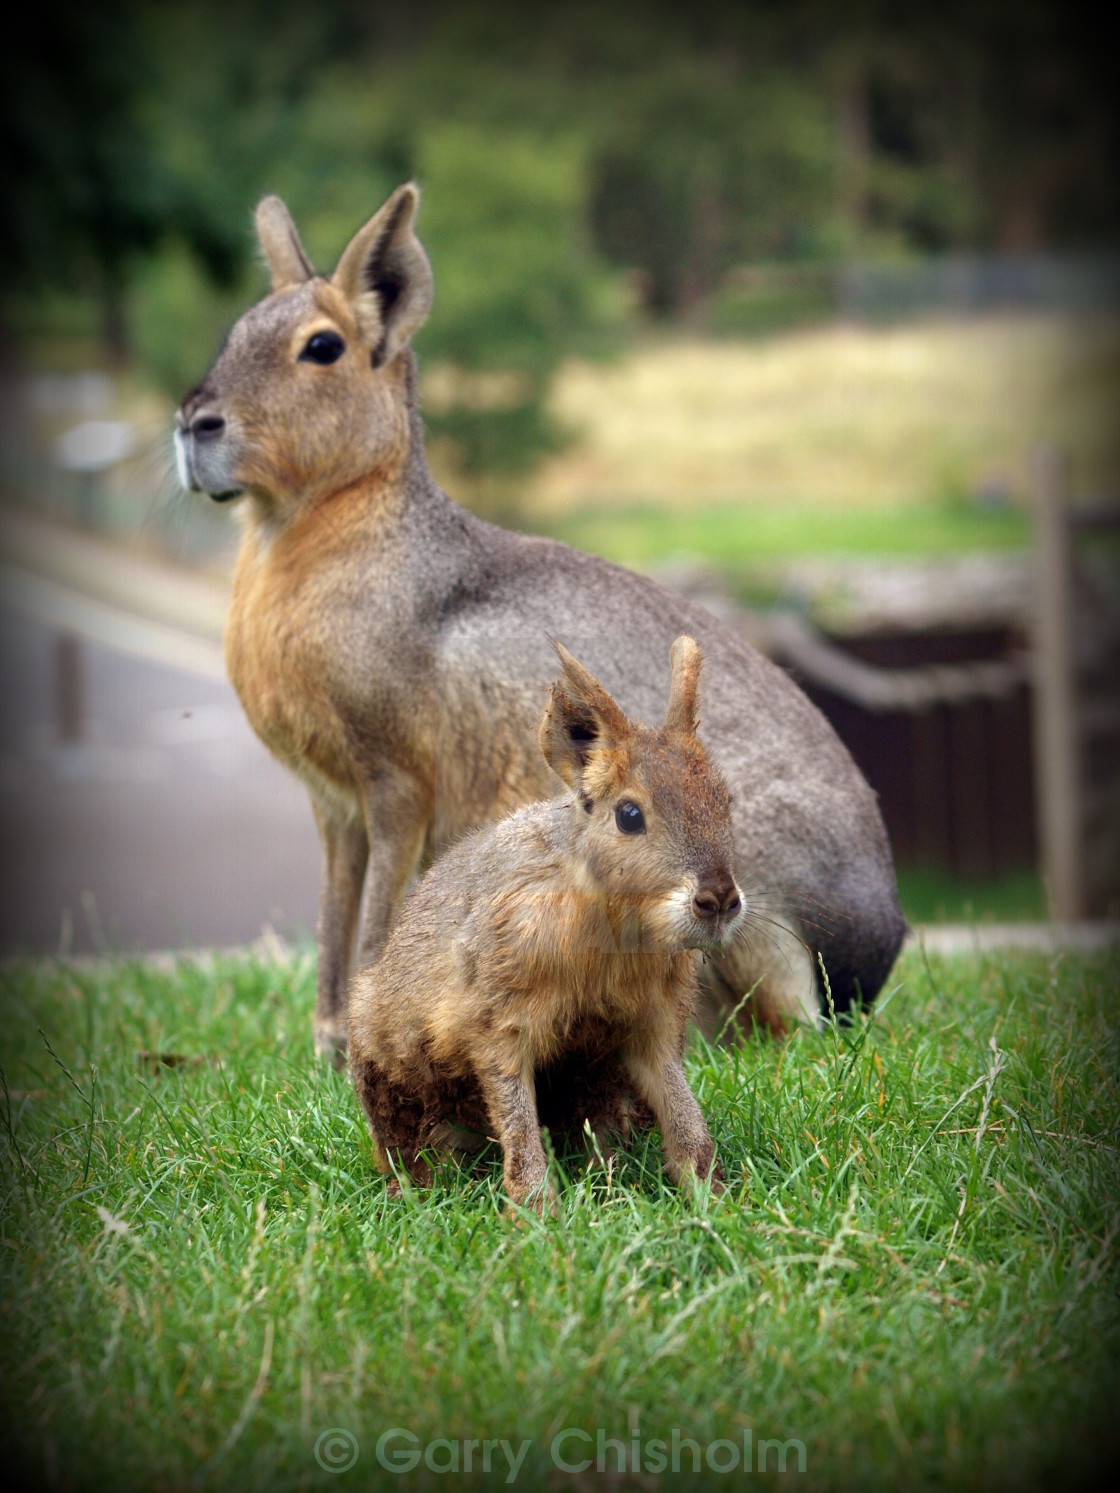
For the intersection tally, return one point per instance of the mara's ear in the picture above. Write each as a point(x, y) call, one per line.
point(580, 718)
point(386, 277)
point(280, 245)
point(682, 713)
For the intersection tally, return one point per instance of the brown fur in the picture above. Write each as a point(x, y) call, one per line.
point(548, 963)
point(392, 649)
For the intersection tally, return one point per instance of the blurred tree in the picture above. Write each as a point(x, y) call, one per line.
point(517, 286)
point(743, 170)
point(1044, 123)
point(979, 127)
point(115, 127)
point(82, 198)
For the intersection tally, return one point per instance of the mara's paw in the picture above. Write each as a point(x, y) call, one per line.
point(543, 1200)
point(698, 1181)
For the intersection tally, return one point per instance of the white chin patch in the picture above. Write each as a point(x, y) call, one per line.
point(181, 461)
point(677, 920)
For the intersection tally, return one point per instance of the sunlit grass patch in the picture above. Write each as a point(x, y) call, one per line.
point(746, 539)
point(839, 417)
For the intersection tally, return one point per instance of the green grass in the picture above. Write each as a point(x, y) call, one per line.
point(913, 1272)
point(931, 896)
point(737, 538)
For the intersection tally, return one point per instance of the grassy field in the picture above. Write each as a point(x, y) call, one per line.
point(758, 540)
point(913, 1275)
point(839, 439)
point(839, 416)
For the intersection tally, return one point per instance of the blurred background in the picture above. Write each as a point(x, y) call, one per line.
point(813, 314)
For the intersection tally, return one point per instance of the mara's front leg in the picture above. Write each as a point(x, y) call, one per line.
point(659, 1078)
point(379, 843)
point(345, 852)
point(398, 811)
point(512, 1107)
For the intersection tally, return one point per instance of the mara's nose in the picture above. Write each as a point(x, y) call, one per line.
point(207, 427)
point(718, 897)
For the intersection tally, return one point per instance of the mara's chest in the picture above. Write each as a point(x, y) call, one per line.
point(604, 998)
point(283, 656)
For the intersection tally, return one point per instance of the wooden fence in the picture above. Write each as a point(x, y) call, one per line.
point(994, 749)
point(945, 741)
point(1077, 696)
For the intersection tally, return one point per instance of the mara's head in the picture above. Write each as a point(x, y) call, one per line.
point(651, 816)
point(309, 393)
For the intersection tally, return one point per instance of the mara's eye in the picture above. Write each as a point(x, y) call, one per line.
point(629, 818)
point(324, 347)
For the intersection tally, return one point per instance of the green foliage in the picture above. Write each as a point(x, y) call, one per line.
point(497, 442)
point(515, 276)
point(913, 1272)
point(179, 316)
point(81, 191)
point(742, 170)
point(516, 281)
point(126, 126)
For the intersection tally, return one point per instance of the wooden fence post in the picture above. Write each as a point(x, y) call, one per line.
point(1057, 768)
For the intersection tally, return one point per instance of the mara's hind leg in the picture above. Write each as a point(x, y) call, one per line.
point(396, 1122)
